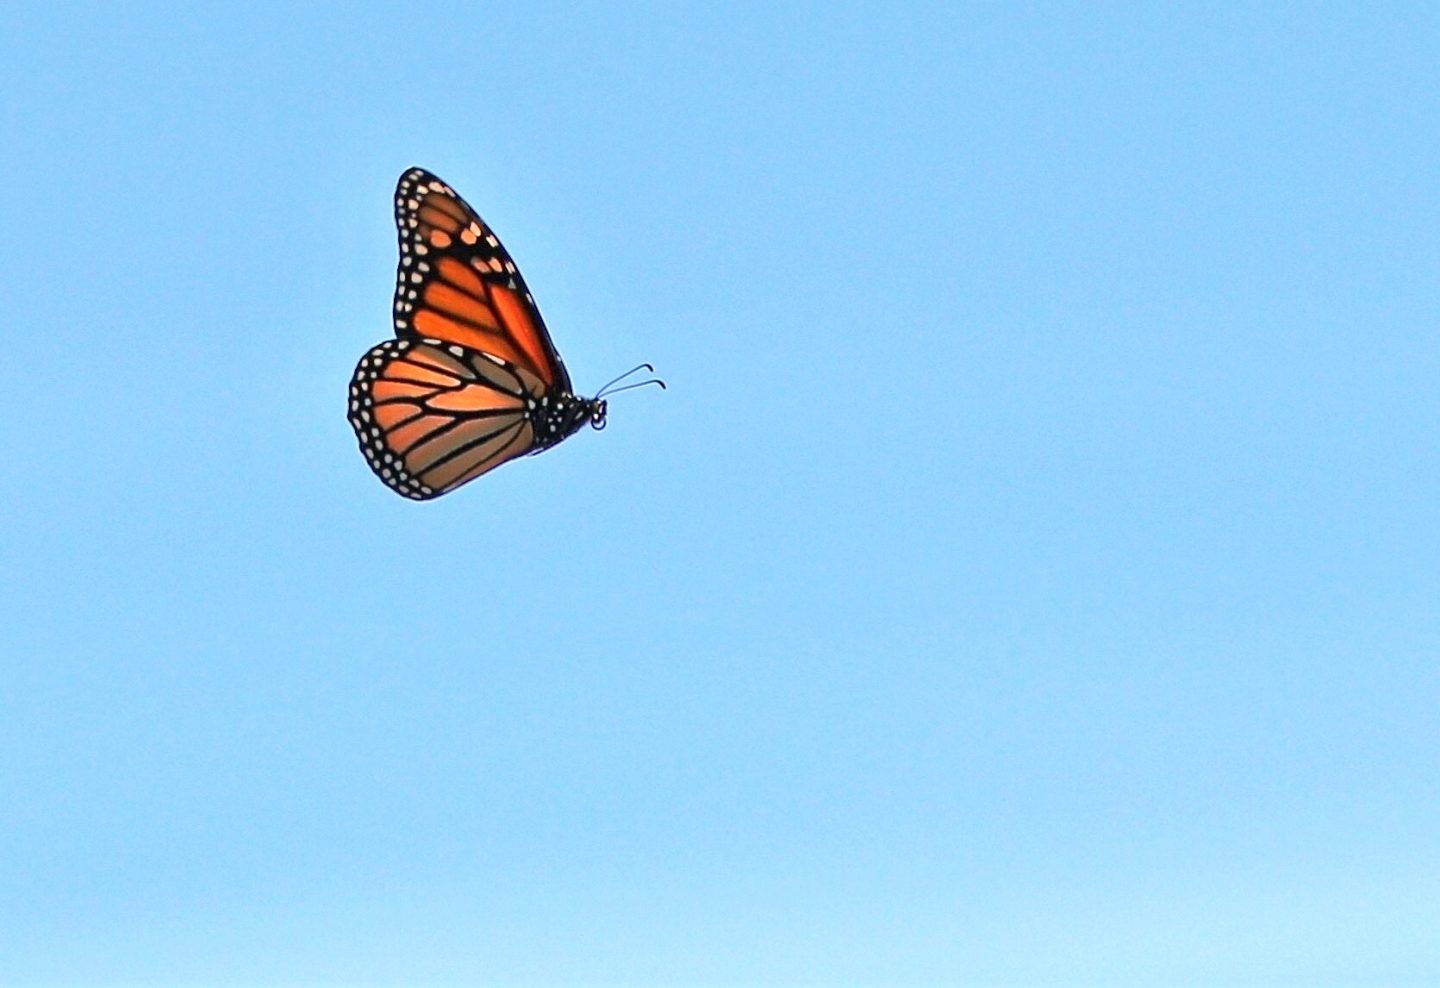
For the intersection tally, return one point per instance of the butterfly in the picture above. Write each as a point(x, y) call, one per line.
point(472, 379)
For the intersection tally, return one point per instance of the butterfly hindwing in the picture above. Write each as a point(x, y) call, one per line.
point(432, 415)
point(457, 283)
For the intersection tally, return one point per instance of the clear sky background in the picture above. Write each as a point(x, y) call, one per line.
point(1030, 576)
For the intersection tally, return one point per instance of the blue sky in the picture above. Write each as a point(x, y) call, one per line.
point(1029, 577)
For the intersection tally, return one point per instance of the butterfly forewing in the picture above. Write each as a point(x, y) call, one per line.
point(457, 283)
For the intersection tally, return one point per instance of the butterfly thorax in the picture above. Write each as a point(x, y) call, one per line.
point(558, 414)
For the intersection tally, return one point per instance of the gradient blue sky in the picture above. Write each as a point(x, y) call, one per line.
point(1030, 576)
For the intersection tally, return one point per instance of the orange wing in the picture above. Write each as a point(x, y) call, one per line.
point(432, 415)
point(456, 282)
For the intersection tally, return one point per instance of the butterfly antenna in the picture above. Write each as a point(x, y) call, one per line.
point(638, 384)
point(632, 370)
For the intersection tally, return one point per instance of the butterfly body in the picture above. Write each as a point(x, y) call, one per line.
point(472, 379)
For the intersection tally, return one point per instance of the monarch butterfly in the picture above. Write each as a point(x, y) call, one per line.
point(472, 379)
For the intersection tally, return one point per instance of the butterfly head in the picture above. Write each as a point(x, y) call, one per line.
point(597, 408)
